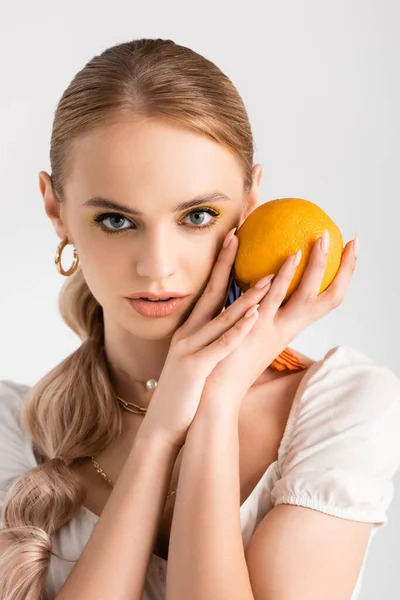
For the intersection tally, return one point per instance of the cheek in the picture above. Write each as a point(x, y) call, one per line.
point(104, 269)
point(202, 263)
point(102, 277)
point(97, 252)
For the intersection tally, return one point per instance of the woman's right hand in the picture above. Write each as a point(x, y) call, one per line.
point(196, 348)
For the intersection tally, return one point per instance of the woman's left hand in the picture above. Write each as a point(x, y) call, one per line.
point(277, 326)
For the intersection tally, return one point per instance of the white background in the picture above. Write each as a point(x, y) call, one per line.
point(321, 84)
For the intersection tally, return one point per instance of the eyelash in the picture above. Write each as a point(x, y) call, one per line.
point(99, 218)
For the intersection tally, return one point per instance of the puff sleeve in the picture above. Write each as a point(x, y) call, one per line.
point(16, 455)
point(342, 448)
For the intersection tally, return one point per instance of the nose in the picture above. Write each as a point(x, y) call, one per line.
point(155, 259)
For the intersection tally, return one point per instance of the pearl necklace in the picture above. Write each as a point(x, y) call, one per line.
point(150, 384)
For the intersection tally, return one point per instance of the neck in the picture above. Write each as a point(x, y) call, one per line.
point(140, 358)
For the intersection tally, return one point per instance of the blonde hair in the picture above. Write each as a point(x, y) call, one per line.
point(71, 412)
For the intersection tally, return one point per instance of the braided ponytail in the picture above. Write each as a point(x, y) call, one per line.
point(70, 414)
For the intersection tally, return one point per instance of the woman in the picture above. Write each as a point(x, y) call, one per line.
point(285, 464)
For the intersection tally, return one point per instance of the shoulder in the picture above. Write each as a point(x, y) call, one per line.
point(12, 397)
point(346, 382)
point(15, 449)
point(306, 360)
point(350, 381)
point(341, 446)
point(344, 391)
point(12, 392)
point(350, 375)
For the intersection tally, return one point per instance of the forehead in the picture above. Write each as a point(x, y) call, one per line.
point(154, 156)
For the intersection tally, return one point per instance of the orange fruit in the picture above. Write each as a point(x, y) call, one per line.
point(277, 229)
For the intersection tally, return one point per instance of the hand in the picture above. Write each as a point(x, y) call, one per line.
point(277, 326)
point(196, 348)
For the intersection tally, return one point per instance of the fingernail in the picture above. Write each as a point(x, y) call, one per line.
point(356, 245)
point(325, 242)
point(251, 311)
point(264, 281)
point(297, 258)
point(229, 237)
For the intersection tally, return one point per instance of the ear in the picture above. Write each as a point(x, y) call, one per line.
point(254, 193)
point(54, 208)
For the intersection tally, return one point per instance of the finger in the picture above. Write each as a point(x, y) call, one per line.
point(211, 355)
point(333, 296)
point(273, 300)
point(214, 295)
point(226, 320)
point(295, 312)
point(310, 284)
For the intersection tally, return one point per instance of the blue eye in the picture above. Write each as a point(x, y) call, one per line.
point(117, 221)
point(199, 221)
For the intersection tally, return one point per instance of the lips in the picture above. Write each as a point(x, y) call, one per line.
point(146, 308)
point(156, 295)
point(155, 299)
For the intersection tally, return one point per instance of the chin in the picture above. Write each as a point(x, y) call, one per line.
point(153, 329)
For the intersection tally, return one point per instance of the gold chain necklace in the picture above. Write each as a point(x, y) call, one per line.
point(104, 476)
point(150, 384)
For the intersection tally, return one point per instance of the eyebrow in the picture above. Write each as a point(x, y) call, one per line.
point(99, 202)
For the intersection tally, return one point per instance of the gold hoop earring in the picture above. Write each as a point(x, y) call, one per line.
point(57, 259)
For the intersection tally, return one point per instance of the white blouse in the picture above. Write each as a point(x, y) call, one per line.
point(338, 455)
